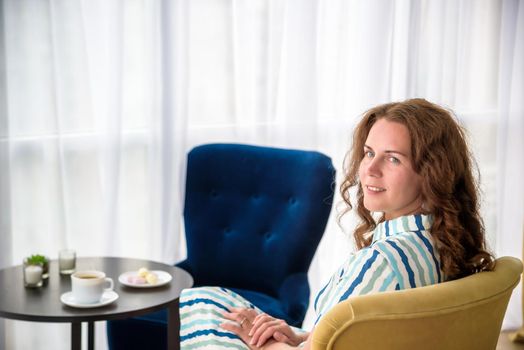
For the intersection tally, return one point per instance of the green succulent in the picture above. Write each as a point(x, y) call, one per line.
point(37, 259)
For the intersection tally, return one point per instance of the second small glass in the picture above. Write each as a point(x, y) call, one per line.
point(66, 261)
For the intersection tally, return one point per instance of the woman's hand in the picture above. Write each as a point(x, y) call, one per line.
point(266, 327)
point(243, 323)
point(257, 330)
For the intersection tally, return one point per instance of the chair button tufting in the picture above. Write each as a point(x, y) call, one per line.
point(213, 193)
point(267, 235)
point(227, 230)
point(292, 200)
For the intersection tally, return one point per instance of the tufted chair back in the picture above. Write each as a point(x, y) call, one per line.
point(254, 217)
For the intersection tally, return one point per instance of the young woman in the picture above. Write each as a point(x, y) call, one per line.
point(417, 200)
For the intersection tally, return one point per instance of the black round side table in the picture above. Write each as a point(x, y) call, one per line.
point(44, 305)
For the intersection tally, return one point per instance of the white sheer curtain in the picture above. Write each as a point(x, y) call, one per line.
point(101, 100)
point(92, 138)
point(510, 143)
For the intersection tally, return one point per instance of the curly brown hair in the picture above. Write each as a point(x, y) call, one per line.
point(441, 156)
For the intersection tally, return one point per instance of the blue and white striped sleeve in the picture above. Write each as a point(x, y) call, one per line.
point(371, 273)
point(412, 258)
point(367, 272)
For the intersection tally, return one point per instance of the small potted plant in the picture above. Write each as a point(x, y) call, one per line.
point(37, 259)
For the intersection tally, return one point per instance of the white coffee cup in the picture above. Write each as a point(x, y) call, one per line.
point(89, 286)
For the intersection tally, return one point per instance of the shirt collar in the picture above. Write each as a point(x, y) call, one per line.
point(409, 223)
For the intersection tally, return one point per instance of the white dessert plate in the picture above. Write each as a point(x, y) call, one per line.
point(127, 279)
point(107, 298)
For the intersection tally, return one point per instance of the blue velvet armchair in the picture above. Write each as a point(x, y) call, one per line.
point(254, 217)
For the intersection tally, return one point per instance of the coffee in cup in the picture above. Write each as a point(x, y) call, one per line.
point(89, 286)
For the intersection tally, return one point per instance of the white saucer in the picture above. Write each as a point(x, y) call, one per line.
point(107, 298)
point(163, 278)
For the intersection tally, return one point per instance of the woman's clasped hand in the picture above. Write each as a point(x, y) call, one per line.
point(259, 329)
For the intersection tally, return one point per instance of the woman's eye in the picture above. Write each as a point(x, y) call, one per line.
point(394, 160)
point(369, 154)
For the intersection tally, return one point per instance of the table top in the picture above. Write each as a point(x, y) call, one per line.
point(44, 305)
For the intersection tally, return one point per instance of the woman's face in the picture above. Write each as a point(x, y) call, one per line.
point(388, 181)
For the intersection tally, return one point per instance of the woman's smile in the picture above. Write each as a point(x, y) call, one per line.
point(375, 189)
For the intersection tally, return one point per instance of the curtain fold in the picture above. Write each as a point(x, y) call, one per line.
point(510, 214)
point(100, 102)
point(5, 193)
point(172, 127)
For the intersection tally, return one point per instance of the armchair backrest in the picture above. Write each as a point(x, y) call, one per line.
point(254, 215)
point(460, 314)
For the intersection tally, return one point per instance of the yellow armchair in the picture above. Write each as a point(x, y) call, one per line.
point(462, 314)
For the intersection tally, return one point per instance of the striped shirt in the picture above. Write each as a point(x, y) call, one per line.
point(401, 255)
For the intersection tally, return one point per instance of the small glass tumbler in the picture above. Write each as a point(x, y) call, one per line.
point(66, 261)
point(32, 274)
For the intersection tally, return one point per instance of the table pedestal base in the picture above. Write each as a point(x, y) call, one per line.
point(76, 335)
point(173, 331)
point(173, 327)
